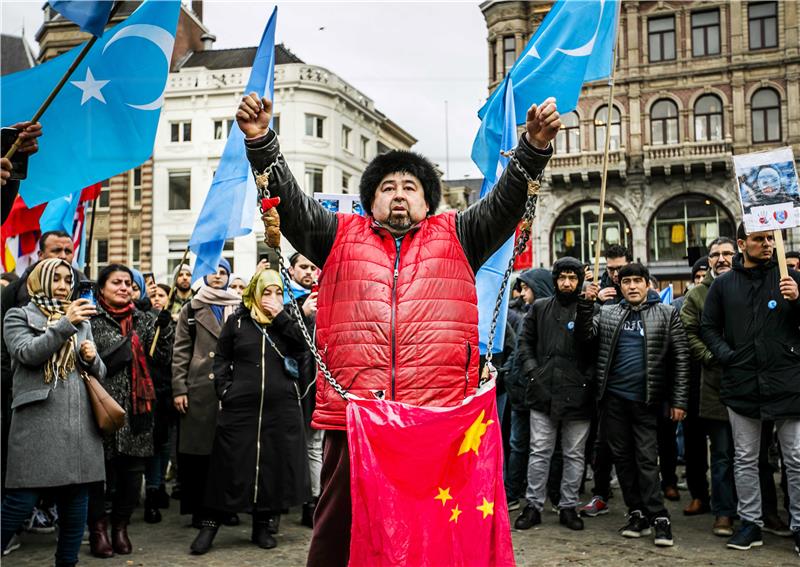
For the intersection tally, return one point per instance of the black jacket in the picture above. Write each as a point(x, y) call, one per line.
point(559, 373)
point(757, 346)
point(667, 356)
point(481, 229)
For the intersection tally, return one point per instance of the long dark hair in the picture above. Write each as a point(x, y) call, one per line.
point(106, 272)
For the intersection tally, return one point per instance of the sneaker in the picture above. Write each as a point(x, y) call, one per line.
point(513, 504)
point(40, 523)
point(596, 507)
point(530, 517)
point(663, 529)
point(13, 545)
point(747, 536)
point(773, 524)
point(795, 534)
point(637, 525)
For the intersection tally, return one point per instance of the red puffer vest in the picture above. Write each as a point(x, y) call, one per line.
point(410, 333)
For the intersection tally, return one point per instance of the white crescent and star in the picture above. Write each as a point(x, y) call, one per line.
point(92, 88)
point(581, 51)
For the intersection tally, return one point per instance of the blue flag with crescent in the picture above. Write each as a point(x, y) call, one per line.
point(230, 206)
point(104, 120)
point(90, 15)
point(573, 44)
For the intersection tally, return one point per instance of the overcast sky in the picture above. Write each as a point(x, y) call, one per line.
point(409, 57)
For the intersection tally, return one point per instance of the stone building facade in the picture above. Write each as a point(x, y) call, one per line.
point(696, 82)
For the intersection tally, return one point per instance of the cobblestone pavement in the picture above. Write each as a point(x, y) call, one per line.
point(167, 545)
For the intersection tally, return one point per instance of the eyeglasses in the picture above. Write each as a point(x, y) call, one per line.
point(612, 269)
point(718, 254)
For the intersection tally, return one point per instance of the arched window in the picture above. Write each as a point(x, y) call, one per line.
point(686, 222)
point(765, 110)
point(600, 118)
point(664, 123)
point(568, 139)
point(707, 118)
point(575, 231)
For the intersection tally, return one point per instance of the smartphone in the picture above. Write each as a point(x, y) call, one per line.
point(314, 287)
point(86, 290)
point(149, 278)
point(19, 161)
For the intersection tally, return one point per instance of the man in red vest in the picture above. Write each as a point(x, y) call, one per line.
point(397, 308)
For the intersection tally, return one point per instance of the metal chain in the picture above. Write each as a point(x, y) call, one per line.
point(519, 246)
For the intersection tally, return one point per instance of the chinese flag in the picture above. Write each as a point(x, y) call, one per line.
point(525, 260)
point(427, 484)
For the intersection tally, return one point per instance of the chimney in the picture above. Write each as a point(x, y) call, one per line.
point(208, 40)
point(197, 8)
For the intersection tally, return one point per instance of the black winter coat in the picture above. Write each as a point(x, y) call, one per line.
point(258, 460)
point(559, 373)
point(667, 356)
point(758, 347)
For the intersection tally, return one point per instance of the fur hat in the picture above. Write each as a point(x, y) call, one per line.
point(400, 161)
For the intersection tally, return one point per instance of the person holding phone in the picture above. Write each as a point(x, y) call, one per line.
point(28, 132)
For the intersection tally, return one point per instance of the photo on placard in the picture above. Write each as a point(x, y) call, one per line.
point(331, 204)
point(357, 208)
point(768, 190)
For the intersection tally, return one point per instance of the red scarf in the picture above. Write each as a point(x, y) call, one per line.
point(142, 391)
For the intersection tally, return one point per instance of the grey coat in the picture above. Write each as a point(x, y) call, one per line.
point(193, 376)
point(54, 439)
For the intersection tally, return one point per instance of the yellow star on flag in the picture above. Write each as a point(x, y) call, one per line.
point(472, 436)
point(444, 496)
point(455, 514)
point(487, 508)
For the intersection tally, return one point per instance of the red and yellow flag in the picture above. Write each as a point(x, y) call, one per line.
point(427, 485)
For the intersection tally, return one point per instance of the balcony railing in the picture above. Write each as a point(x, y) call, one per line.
point(687, 154)
point(584, 163)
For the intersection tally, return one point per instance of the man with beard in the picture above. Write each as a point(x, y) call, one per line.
point(559, 395)
point(304, 275)
point(183, 289)
point(616, 257)
point(751, 324)
point(793, 260)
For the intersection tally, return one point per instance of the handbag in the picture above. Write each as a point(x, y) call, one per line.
point(109, 415)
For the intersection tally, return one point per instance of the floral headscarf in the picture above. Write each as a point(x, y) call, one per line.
point(255, 289)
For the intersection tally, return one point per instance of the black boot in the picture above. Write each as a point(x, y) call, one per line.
point(308, 513)
point(231, 520)
point(274, 523)
point(569, 517)
point(152, 515)
point(261, 535)
point(202, 543)
point(162, 498)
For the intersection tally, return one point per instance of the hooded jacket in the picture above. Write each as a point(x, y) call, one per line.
point(755, 334)
point(667, 352)
point(557, 373)
point(396, 318)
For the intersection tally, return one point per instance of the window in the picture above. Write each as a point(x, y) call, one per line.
point(276, 124)
point(181, 131)
point(364, 147)
point(763, 24)
point(664, 123)
point(600, 129)
point(346, 179)
point(493, 60)
point(135, 187)
point(314, 178)
point(707, 118)
point(104, 199)
point(765, 109)
point(179, 190)
point(346, 132)
point(509, 52)
point(222, 129)
point(175, 251)
point(661, 37)
point(568, 139)
point(315, 126)
point(100, 253)
point(685, 222)
point(575, 231)
point(134, 253)
point(705, 33)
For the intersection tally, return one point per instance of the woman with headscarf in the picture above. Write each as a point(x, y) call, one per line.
point(258, 463)
point(54, 441)
point(237, 284)
point(124, 336)
point(139, 294)
point(196, 334)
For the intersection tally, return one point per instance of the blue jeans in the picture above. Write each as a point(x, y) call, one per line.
point(517, 466)
point(723, 488)
point(156, 466)
point(72, 502)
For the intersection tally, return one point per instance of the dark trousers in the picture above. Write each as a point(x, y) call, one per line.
point(330, 542)
point(124, 483)
point(632, 430)
point(696, 456)
point(519, 449)
point(667, 451)
point(723, 487)
point(192, 474)
point(602, 461)
point(71, 502)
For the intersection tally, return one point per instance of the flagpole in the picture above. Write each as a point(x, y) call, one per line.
point(603, 182)
point(48, 101)
point(169, 299)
